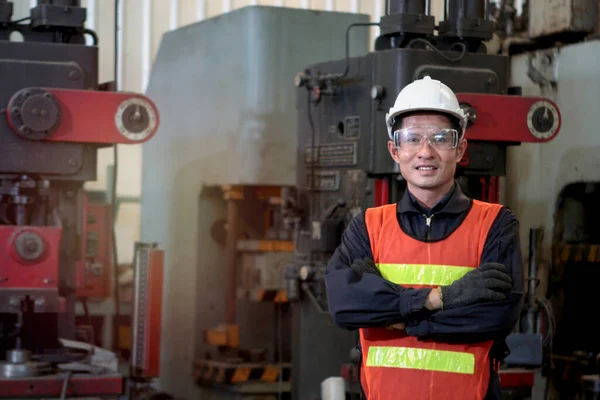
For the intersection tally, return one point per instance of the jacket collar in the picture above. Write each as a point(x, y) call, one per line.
point(454, 202)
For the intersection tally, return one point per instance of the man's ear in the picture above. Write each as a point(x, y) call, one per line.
point(393, 150)
point(460, 149)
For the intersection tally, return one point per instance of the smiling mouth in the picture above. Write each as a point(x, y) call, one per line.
point(426, 168)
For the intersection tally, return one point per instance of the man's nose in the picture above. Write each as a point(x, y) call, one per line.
point(426, 151)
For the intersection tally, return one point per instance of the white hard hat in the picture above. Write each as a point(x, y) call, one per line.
point(425, 95)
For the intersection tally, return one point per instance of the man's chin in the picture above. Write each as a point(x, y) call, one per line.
point(426, 182)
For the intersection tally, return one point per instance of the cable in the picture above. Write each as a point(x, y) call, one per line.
point(546, 306)
point(336, 76)
point(313, 152)
point(20, 20)
point(92, 34)
point(347, 69)
point(313, 158)
point(88, 317)
point(550, 320)
point(445, 57)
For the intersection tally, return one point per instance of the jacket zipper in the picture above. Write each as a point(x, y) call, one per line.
point(428, 222)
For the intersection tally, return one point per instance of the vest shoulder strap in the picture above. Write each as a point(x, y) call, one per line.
point(488, 209)
point(485, 216)
point(375, 218)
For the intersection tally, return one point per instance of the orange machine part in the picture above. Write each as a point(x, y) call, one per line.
point(154, 314)
point(147, 318)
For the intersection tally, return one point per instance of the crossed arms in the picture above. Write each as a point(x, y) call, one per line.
point(363, 300)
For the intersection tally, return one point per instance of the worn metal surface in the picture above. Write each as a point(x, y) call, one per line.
point(540, 172)
point(551, 17)
point(224, 88)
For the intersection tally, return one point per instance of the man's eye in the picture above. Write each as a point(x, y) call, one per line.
point(412, 139)
point(440, 139)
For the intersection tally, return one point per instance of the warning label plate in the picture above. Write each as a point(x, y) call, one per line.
point(332, 155)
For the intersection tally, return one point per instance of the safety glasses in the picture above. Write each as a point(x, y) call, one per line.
point(413, 137)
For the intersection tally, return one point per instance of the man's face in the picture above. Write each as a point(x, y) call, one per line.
point(425, 166)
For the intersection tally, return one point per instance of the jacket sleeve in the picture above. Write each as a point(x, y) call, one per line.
point(367, 301)
point(490, 320)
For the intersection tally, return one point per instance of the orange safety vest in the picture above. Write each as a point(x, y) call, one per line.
point(396, 366)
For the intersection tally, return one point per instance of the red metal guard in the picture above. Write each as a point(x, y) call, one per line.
point(82, 116)
point(516, 119)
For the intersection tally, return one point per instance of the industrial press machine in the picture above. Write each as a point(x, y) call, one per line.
point(54, 118)
point(344, 166)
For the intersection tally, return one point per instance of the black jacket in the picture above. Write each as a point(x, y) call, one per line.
point(372, 301)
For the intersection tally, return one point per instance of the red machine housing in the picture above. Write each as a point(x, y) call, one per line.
point(29, 267)
point(30, 257)
point(95, 269)
point(31, 253)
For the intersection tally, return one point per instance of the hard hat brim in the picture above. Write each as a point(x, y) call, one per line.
point(460, 117)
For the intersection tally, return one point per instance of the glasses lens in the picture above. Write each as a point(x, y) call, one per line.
point(439, 138)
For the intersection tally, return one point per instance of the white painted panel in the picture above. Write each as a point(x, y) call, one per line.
point(146, 42)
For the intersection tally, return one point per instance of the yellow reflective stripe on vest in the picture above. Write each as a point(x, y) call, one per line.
point(424, 359)
point(422, 274)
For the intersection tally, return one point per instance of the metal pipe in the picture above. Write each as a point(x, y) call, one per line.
point(458, 9)
point(428, 7)
point(407, 6)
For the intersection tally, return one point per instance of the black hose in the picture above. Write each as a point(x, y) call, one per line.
point(92, 34)
point(445, 57)
point(347, 69)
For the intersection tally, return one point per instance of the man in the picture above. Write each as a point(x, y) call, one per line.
point(434, 283)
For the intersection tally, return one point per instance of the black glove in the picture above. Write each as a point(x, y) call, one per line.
point(365, 266)
point(488, 282)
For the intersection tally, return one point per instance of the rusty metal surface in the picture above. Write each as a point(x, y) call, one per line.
point(554, 17)
point(51, 386)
